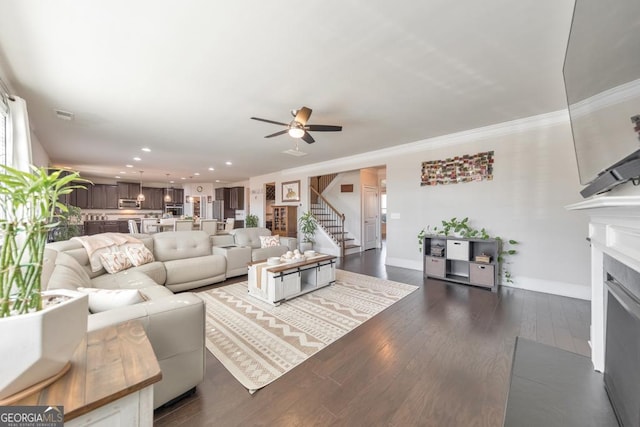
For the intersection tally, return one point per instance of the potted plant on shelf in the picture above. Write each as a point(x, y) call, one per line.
point(308, 228)
point(251, 221)
point(39, 330)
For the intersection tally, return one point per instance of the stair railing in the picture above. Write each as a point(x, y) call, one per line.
point(332, 216)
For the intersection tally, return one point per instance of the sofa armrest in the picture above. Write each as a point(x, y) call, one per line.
point(290, 242)
point(175, 326)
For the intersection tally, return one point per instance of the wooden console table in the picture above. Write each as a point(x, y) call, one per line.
point(277, 283)
point(110, 381)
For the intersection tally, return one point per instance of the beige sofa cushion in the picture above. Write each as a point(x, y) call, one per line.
point(68, 274)
point(194, 269)
point(176, 245)
point(250, 236)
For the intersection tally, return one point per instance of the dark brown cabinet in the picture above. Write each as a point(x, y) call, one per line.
point(98, 197)
point(97, 227)
point(176, 195)
point(236, 198)
point(80, 198)
point(103, 196)
point(153, 198)
point(128, 190)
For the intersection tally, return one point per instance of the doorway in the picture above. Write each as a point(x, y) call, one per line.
point(370, 217)
point(269, 201)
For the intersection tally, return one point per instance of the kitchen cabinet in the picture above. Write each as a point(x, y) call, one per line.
point(80, 197)
point(111, 196)
point(223, 193)
point(128, 190)
point(97, 227)
point(179, 196)
point(176, 195)
point(236, 198)
point(104, 196)
point(98, 197)
point(153, 198)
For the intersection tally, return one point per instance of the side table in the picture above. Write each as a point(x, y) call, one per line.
point(110, 381)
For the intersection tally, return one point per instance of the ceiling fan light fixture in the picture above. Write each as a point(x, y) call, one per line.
point(296, 132)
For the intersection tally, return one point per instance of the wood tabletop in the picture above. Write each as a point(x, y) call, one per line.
point(277, 268)
point(109, 363)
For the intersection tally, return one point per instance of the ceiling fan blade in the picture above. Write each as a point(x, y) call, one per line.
point(323, 128)
point(277, 133)
point(308, 138)
point(269, 121)
point(303, 115)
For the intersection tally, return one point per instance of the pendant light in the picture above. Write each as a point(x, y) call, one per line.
point(167, 196)
point(140, 197)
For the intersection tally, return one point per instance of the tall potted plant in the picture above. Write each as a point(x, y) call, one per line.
point(39, 331)
point(308, 228)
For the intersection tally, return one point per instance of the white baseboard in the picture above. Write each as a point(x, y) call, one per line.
point(570, 290)
point(404, 263)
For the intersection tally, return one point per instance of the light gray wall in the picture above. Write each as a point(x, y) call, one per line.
point(535, 177)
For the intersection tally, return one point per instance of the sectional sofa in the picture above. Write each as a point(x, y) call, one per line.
point(244, 245)
point(174, 323)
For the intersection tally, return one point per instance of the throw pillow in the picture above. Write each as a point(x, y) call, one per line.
point(108, 299)
point(138, 254)
point(268, 241)
point(115, 261)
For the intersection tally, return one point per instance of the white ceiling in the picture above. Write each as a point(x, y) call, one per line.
point(183, 78)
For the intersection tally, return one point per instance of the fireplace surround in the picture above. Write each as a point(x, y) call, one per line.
point(614, 234)
point(622, 340)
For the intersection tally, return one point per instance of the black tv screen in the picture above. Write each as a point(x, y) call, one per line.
point(602, 81)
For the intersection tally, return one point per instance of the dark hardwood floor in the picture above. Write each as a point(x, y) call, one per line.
point(439, 357)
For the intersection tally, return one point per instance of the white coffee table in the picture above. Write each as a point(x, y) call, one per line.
point(277, 283)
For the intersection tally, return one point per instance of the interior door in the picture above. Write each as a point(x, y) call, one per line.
point(370, 218)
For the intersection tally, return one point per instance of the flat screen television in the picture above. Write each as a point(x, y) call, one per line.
point(602, 81)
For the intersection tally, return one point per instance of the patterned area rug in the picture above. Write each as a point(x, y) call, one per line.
point(258, 342)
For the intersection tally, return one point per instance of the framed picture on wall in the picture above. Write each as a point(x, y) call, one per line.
point(291, 191)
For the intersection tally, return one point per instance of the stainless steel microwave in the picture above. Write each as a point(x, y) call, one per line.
point(128, 204)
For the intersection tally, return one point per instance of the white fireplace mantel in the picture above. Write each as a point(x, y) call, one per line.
point(614, 229)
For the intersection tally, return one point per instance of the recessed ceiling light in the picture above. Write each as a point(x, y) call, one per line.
point(146, 149)
point(228, 163)
point(137, 159)
point(129, 166)
point(217, 180)
point(211, 169)
point(196, 173)
point(117, 177)
point(183, 178)
point(172, 182)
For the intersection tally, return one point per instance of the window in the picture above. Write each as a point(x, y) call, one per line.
point(383, 207)
point(3, 139)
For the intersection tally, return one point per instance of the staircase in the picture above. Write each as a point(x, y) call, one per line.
point(332, 222)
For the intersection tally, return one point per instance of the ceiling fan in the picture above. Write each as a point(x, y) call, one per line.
point(298, 128)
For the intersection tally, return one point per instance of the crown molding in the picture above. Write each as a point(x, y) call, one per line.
point(378, 157)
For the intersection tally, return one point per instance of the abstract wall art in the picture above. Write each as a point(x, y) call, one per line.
point(467, 168)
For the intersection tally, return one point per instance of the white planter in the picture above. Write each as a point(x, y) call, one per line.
point(38, 345)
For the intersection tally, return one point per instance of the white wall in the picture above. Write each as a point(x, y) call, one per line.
point(535, 177)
